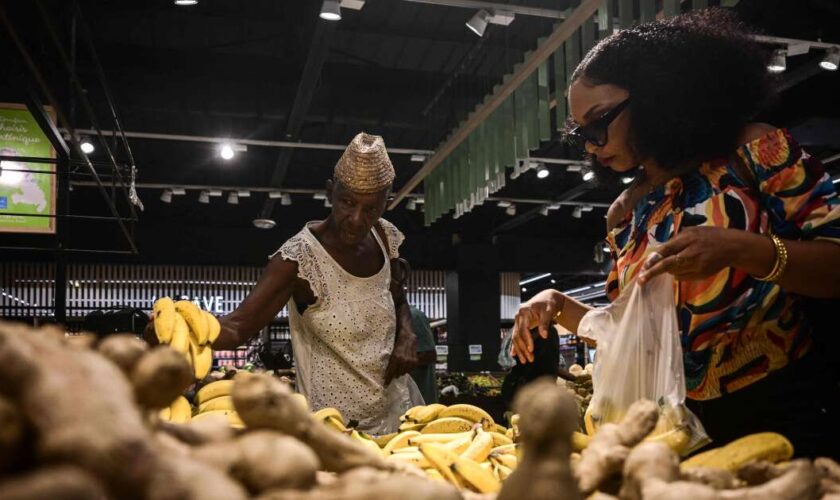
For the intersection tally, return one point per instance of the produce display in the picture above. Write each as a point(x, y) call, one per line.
point(110, 419)
point(188, 330)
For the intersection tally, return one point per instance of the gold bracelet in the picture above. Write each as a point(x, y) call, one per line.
point(781, 260)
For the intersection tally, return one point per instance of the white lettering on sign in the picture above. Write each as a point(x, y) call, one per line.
point(475, 349)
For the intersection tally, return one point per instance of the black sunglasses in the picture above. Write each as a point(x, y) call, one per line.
point(595, 132)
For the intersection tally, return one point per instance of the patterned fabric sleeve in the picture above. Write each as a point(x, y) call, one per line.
point(800, 198)
point(299, 249)
point(395, 238)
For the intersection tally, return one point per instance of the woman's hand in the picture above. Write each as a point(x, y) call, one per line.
point(693, 254)
point(538, 312)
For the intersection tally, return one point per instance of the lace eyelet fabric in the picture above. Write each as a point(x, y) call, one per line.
point(342, 343)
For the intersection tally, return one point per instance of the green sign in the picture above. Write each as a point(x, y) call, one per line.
point(23, 190)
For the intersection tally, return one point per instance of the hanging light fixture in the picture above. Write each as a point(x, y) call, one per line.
point(184, 3)
point(588, 176)
point(577, 213)
point(86, 145)
point(626, 180)
point(831, 59)
point(286, 200)
point(264, 223)
point(166, 196)
point(331, 10)
point(204, 197)
point(511, 210)
point(412, 204)
point(275, 195)
point(542, 172)
point(233, 198)
point(478, 22)
point(243, 193)
point(778, 61)
point(327, 203)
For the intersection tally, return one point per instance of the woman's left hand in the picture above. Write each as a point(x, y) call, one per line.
point(693, 254)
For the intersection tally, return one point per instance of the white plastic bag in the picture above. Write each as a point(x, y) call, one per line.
point(640, 357)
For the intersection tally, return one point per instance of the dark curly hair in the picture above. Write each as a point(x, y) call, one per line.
point(695, 81)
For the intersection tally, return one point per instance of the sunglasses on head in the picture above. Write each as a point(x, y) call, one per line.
point(595, 132)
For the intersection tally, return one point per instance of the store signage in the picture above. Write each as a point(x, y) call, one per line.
point(212, 304)
point(21, 190)
point(442, 353)
point(475, 352)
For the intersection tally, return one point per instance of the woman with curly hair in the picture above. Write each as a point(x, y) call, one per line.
point(745, 220)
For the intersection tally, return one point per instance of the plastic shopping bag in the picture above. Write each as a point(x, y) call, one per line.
point(640, 357)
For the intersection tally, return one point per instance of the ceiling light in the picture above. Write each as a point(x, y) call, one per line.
point(204, 197)
point(226, 151)
point(588, 176)
point(166, 196)
point(542, 172)
point(275, 195)
point(215, 192)
point(831, 59)
point(478, 23)
point(503, 204)
point(411, 205)
point(179, 191)
point(626, 180)
point(524, 289)
point(319, 196)
point(543, 210)
point(574, 168)
point(511, 210)
point(327, 204)
point(353, 4)
point(264, 223)
point(244, 193)
point(586, 208)
point(418, 158)
point(286, 200)
point(186, 2)
point(233, 198)
point(331, 10)
point(778, 61)
point(577, 213)
point(87, 146)
point(553, 281)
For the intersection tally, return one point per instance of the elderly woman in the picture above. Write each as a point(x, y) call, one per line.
point(745, 220)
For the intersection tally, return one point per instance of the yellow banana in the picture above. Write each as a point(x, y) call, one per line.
point(505, 449)
point(163, 315)
point(442, 460)
point(501, 429)
point(502, 472)
point(415, 458)
point(509, 461)
point(500, 439)
point(460, 445)
point(180, 411)
point(336, 424)
point(214, 390)
point(469, 412)
point(201, 358)
point(220, 403)
point(383, 440)
point(434, 475)
point(325, 413)
point(437, 438)
point(411, 426)
point(427, 413)
point(213, 327)
point(768, 446)
point(399, 441)
point(408, 416)
point(677, 439)
point(514, 419)
point(408, 449)
point(579, 441)
point(165, 414)
point(180, 336)
point(480, 447)
point(450, 424)
point(480, 478)
point(232, 416)
point(195, 319)
point(367, 442)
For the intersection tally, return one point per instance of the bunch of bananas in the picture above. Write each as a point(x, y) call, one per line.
point(188, 330)
point(460, 444)
point(179, 412)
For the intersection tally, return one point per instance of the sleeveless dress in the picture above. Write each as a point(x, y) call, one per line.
point(342, 342)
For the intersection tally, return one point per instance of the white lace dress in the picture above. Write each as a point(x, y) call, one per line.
point(342, 343)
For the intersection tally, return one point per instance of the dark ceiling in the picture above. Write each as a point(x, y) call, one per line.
point(405, 70)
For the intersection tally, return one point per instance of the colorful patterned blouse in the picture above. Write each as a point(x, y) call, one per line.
point(735, 329)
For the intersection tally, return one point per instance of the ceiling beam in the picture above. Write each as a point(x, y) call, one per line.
point(516, 9)
point(567, 196)
point(542, 53)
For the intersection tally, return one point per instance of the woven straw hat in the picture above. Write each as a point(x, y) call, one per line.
point(365, 167)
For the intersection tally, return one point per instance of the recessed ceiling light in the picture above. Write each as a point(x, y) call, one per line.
point(331, 10)
point(264, 223)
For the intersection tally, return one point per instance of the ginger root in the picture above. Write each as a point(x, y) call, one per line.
point(64, 482)
point(829, 473)
point(160, 376)
point(548, 416)
point(124, 349)
point(263, 402)
point(263, 460)
point(11, 434)
point(610, 446)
